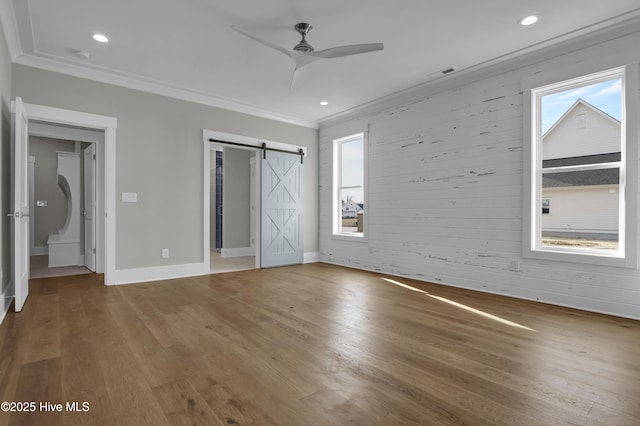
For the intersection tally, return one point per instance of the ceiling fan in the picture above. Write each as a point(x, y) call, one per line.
point(303, 53)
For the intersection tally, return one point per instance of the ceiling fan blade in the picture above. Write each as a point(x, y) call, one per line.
point(297, 72)
point(353, 49)
point(303, 59)
point(266, 43)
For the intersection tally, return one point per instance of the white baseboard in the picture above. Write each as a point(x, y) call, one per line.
point(311, 257)
point(159, 273)
point(155, 273)
point(40, 251)
point(237, 252)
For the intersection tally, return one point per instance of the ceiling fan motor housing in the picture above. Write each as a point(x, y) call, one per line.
point(303, 28)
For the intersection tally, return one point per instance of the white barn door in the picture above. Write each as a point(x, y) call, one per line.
point(282, 240)
point(20, 204)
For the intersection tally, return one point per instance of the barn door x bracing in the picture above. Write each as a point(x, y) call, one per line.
point(282, 240)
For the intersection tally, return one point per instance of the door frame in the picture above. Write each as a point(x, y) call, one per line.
point(256, 145)
point(89, 182)
point(105, 175)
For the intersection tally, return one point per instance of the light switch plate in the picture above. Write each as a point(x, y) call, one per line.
point(129, 197)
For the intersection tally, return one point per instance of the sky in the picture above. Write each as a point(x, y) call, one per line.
point(353, 169)
point(605, 96)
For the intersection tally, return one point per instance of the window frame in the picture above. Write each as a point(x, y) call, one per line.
point(337, 181)
point(627, 254)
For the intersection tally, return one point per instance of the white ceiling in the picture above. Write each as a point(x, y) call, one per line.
point(186, 48)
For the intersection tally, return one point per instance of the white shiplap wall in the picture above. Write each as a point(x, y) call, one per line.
point(445, 190)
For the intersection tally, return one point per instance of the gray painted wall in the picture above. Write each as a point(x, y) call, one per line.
point(159, 156)
point(49, 219)
point(236, 198)
point(5, 164)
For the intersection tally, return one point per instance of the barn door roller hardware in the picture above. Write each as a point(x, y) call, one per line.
point(263, 147)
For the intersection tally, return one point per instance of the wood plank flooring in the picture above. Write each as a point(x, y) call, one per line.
point(313, 344)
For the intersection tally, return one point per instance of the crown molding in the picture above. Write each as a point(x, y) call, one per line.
point(130, 81)
point(156, 87)
point(10, 28)
point(603, 31)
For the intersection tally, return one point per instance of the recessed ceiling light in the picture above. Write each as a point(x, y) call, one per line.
point(101, 38)
point(324, 103)
point(529, 20)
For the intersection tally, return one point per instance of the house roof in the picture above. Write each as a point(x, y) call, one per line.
point(575, 105)
point(584, 177)
point(581, 160)
point(581, 178)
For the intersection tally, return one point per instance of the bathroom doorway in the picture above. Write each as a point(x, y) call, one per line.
point(62, 192)
point(39, 120)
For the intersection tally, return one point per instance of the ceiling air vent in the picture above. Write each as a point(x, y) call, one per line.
point(440, 73)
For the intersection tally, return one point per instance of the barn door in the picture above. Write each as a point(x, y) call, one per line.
point(20, 204)
point(282, 240)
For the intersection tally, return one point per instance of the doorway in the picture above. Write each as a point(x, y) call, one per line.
point(276, 197)
point(232, 209)
point(62, 225)
point(28, 120)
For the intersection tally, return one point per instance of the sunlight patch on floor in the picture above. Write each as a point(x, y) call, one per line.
point(459, 305)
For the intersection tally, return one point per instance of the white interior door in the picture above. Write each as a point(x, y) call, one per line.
point(89, 210)
point(282, 240)
point(20, 206)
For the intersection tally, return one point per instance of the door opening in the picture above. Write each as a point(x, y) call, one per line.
point(283, 242)
point(230, 210)
point(62, 202)
point(218, 196)
point(28, 120)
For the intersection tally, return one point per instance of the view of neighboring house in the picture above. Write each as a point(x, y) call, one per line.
point(352, 216)
point(350, 209)
point(581, 204)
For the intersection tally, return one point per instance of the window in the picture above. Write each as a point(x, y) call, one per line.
point(579, 153)
point(349, 186)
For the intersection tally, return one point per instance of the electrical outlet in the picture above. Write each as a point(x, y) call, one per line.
point(165, 253)
point(514, 265)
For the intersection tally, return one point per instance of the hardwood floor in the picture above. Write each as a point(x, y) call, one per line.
point(312, 344)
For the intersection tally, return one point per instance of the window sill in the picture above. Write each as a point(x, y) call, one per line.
point(355, 237)
point(601, 259)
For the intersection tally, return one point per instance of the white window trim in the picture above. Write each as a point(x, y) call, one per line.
point(335, 203)
point(628, 238)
